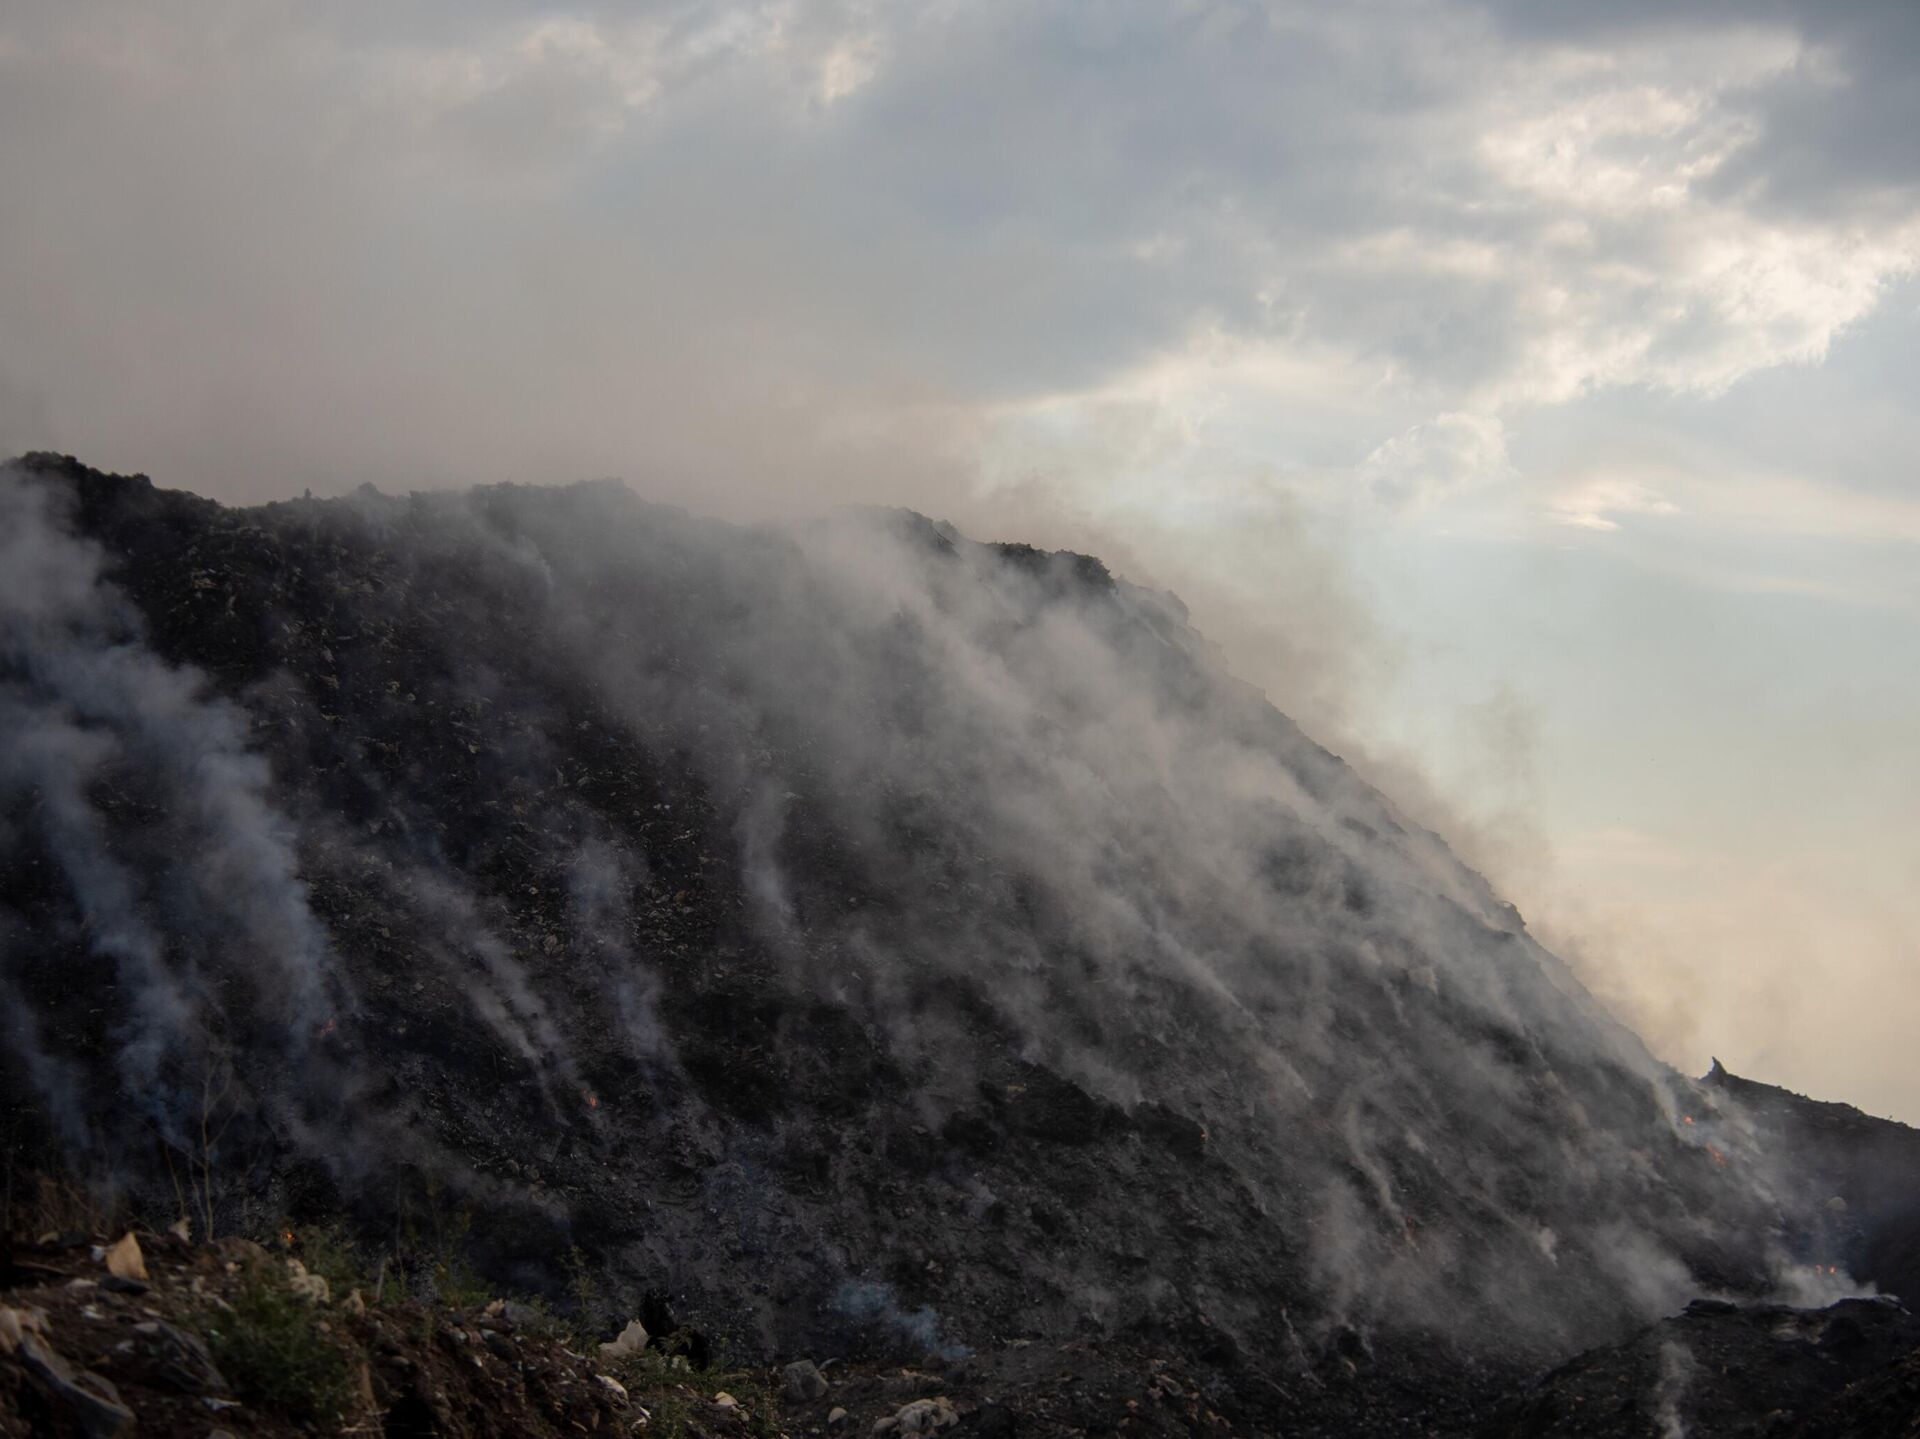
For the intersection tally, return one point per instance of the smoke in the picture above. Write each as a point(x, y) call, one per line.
point(490, 978)
point(856, 818)
point(601, 877)
point(143, 790)
point(1062, 807)
point(58, 759)
point(60, 1083)
point(760, 826)
point(875, 1306)
point(1676, 1374)
point(1268, 580)
point(1815, 1286)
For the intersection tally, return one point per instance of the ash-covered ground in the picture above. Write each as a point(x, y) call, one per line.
point(863, 939)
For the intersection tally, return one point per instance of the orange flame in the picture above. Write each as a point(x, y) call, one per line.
point(593, 1101)
point(1686, 1119)
point(328, 1027)
point(1718, 1157)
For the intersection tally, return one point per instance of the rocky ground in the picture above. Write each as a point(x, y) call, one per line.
point(228, 1336)
point(154, 1334)
point(151, 1333)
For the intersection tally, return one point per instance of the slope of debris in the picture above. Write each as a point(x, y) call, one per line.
point(870, 941)
point(1722, 1369)
point(1856, 1175)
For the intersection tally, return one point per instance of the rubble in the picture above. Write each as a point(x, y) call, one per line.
point(150, 1368)
point(181, 1359)
point(922, 1416)
point(124, 1260)
point(93, 1401)
point(630, 1341)
point(613, 1386)
point(802, 1382)
point(17, 1324)
point(311, 1287)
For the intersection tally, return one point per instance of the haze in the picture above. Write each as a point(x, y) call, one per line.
point(1520, 395)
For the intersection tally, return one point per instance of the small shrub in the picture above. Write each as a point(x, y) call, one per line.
point(758, 1397)
point(673, 1396)
point(583, 1290)
point(442, 1273)
point(548, 1325)
point(662, 1391)
point(454, 1282)
point(670, 1413)
point(273, 1350)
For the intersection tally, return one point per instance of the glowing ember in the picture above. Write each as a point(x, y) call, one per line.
point(1718, 1157)
point(1686, 1119)
point(593, 1101)
point(328, 1027)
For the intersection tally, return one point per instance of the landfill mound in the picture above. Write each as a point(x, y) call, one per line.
point(867, 939)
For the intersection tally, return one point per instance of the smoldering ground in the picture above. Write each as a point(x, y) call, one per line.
point(142, 790)
point(744, 903)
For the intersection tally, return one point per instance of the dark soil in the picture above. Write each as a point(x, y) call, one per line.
point(1722, 1369)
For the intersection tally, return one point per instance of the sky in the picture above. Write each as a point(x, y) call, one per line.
point(1519, 393)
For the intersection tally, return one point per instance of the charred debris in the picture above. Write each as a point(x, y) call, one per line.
point(843, 942)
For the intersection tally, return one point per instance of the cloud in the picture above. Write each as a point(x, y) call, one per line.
point(1576, 238)
point(1706, 951)
point(1593, 504)
point(23, 424)
point(1452, 453)
point(1207, 287)
point(504, 240)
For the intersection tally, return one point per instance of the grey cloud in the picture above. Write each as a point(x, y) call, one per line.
point(23, 419)
point(959, 228)
point(1844, 143)
point(544, 241)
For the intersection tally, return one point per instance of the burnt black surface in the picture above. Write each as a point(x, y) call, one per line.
point(739, 986)
point(1859, 1174)
point(1724, 1369)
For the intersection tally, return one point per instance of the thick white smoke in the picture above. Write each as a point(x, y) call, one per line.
point(142, 788)
point(646, 814)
